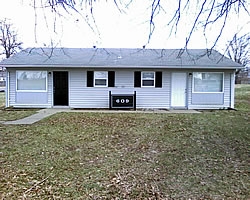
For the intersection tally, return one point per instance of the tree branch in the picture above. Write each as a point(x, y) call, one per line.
point(209, 13)
point(8, 38)
point(155, 9)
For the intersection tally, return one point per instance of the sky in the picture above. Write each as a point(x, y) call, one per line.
point(114, 28)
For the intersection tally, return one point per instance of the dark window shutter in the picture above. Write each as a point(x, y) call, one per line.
point(158, 79)
point(111, 79)
point(137, 79)
point(90, 78)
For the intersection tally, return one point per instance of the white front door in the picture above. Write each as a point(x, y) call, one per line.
point(178, 89)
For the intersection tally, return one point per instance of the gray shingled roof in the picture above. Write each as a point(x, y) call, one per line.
point(120, 58)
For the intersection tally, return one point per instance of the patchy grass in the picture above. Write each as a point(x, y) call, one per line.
point(2, 99)
point(12, 114)
point(242, 97)
point(128, 156)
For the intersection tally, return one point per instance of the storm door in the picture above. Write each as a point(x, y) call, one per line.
point(178, 89)
point(60, 88)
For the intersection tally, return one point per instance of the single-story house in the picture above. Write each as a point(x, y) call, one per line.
point(114, 77)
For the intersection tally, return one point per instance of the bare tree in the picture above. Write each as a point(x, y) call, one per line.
point(239, 51)
point(9, 43)
point(207, 12)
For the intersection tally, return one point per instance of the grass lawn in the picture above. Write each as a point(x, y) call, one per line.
point(2, 99)
point(12, 114)
point(129, 156)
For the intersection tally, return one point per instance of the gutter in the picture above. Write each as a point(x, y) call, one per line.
point(125, 66)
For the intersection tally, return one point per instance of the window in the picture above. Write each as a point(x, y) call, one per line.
point(31, 80)
point(148, 79)
point(208, 82)
point(100, 78)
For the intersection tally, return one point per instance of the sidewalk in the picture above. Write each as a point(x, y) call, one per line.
point(34, 118)
point(51, 111)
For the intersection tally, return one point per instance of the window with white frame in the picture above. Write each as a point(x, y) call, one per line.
point(100, 78)
point(148, 79)
point(208, 82)
point(31, 80)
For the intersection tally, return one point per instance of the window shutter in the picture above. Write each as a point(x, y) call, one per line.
point(158, 79)
point(137, 79)
point(90, 78)
point(111, 79)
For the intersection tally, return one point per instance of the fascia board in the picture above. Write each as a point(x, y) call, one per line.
point(123, 66)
